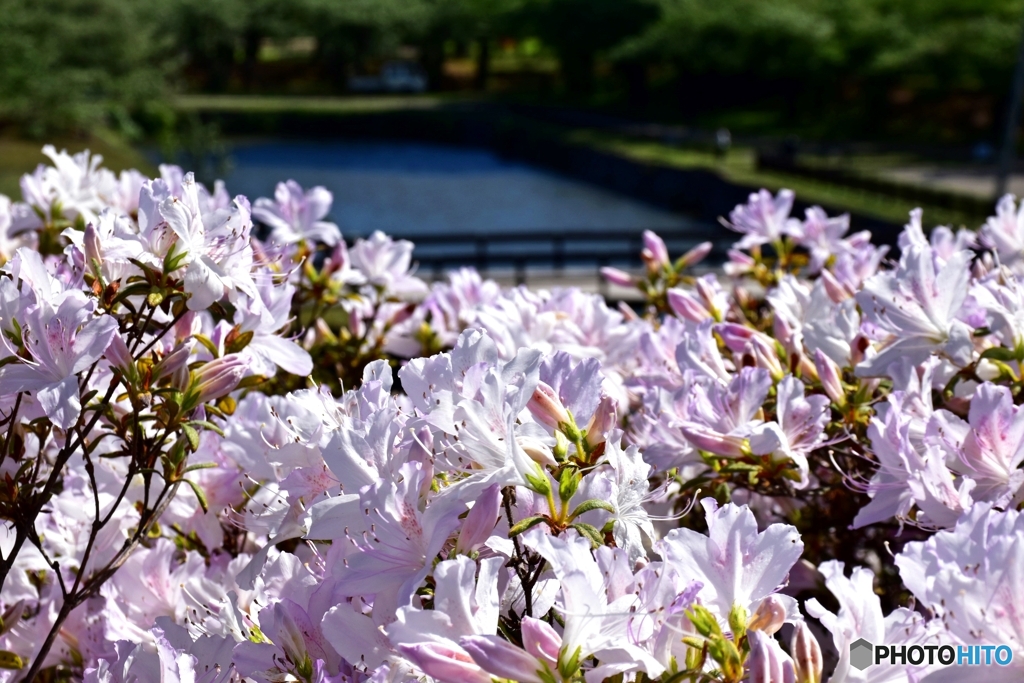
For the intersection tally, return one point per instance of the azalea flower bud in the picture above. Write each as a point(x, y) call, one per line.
point(735, 336)
point(501, 658)
point(769, 616)
point(806, 655)
point(541, 640)
point(738, 618)
point(686, 306)
point(602, 422)
point(219, 377)
point(835, 290)
point(738, 263)
point(188, 325)
point(118, 354)
point(617, 277)
point(987, 370)
point(537, 450)
point(175, 360)
point(655, 253)
point(695, 255)
point(446, 664)
point(714, 442)
point(830, 377)
point(627, 313)
point(766, 356)
point(767, 663)
point(91, 245)
point(706, 288)
point(480, 521)
point(547, 407)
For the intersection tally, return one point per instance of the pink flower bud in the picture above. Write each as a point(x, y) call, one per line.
point(769, 616)
point(686, 306)
point(738, 263)
point(618, 277)
point(175, 360)
point(219, 377)
point(735, 336)
point(767, 663)
point(547, 407)
point(714, 442)
point(655, 252)
point(502, 659)
point(480, 521)
point(603, 421)
point(338, 260)
point(835, 290)
point(766, 356)
point(187, 326)
point(806, 655)
point(628, 313)
point(118, 354)
point(91, 245)
point(537, 451)
point(707, 293)
point(541, 640)
point(696, 255)
point(830, 377)
point(445, 663)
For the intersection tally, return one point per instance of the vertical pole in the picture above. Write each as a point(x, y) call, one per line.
point(1008, 152)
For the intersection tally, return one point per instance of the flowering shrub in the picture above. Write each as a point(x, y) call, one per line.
point(228, 457)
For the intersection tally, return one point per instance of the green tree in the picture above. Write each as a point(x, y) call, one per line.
point(578, 30)
point(74, 64)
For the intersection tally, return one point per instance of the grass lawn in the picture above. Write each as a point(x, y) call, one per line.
point(361, 104)
point(739, 165)
point(18, 157)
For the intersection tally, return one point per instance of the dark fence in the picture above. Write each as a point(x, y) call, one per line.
point(555, 251)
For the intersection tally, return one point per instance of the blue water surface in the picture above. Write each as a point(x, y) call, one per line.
point(415, 189)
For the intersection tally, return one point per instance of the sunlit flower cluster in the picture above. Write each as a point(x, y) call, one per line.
point(235, 446)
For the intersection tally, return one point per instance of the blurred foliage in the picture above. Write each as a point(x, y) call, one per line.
point(71, 64)
point(857, 64)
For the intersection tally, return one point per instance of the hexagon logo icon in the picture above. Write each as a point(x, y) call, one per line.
point(861, 654)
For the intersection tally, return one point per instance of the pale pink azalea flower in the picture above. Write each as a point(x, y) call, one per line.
point(384, 262)
point(860, 616)
point(1004, 233)
point(217, 256)
point(764, 218)
point(296, 214)
point(913, 311)
point(62, 343)
point(822, 236)
point(736, 563)
point(970, 578)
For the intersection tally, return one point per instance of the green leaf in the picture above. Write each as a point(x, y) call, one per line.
point(999, 353)
point(590, 532)
point(525, 524)
point(206, 424)
point(568, 667)
point(239, 343)
point(704, 621)
point(192, 435)
point(9, 660)
point(199, 494)
point(199, 466)
point(592, 504)
point(205, 341)
point(251, 381)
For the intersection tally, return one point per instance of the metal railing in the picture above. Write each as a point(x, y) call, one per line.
point(555, 252)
